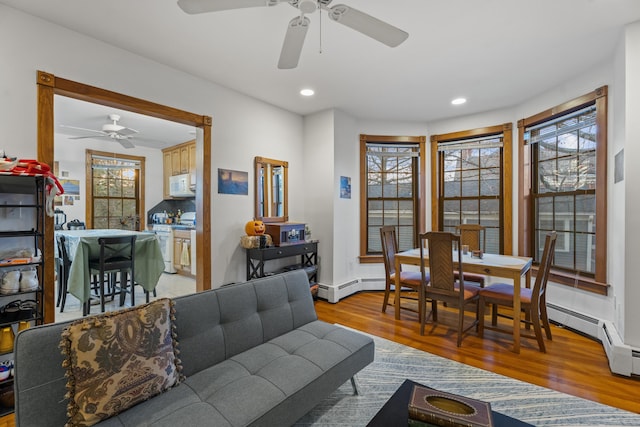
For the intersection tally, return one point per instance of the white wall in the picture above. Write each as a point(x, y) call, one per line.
point(319, 187)
point(346, 211)
point(631, 335)
point(242, 126)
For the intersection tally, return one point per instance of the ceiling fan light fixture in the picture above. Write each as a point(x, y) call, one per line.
point(307, 6)
point(307, 92)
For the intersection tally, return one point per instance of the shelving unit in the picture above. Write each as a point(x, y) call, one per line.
point(22, 226)
point(306, 251)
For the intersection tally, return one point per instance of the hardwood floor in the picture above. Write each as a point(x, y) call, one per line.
point(573, 364)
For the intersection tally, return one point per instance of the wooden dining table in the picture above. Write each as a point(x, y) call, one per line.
point(82, 245)
point(506, 266)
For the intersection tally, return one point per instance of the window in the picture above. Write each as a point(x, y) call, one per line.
point(564, 184)
point(469, 185)
point(115, 190)
point(390, 191)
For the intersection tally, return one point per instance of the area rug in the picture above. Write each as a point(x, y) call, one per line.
point(396, 362)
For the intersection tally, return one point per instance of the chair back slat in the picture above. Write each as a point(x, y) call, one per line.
point(117, 252)
point(440, 247)
point(389, 248)
point(540, 285)
point(473, 235)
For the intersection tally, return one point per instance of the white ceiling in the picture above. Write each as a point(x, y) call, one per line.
point(152, 132)
point(496, 53)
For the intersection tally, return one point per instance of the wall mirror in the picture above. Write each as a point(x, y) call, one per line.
point(271, 190)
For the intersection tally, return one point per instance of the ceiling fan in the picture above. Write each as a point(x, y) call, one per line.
point(298, 26)
point(111, 130)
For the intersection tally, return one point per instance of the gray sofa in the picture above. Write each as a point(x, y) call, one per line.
point(253, 354)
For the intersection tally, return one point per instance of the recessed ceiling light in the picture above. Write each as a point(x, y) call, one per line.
point(459, 101)
point(307, 92)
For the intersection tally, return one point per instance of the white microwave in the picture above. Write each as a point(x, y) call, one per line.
point(182, 185)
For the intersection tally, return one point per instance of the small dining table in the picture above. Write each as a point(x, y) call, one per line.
point(506, 266)
point(82, 245)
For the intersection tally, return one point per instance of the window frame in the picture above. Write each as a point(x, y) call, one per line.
point(526, 204)
point(89, 154)
point(505, 130)
point(419, 196)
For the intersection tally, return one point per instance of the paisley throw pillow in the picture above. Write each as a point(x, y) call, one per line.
point(119, 359)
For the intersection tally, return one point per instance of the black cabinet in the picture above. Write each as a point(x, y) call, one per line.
point(307, 253)
point(22, 222)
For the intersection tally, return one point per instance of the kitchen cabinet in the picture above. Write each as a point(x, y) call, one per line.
point(178, 159)
point(182, 251)
point(22, 200)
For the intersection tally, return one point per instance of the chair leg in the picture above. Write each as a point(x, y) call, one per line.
point(65, 290)
point(494, 314)
point(60, 280)
point(481, 307)
point(422, 301)
point(102, 292)
point(460, 323)
point(133, 291)
point(385, 301)
point(537, 330)
point(545, 320)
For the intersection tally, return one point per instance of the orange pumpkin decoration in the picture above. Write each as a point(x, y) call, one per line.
point(254, 228)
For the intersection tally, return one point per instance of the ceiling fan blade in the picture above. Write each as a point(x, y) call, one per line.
point(126, 131)
point(368, 25)
point(293, 41)
point(90, 136)
point(202, 6)
point(82, 129)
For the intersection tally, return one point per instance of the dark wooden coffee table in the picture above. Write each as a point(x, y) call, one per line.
point(395, 412)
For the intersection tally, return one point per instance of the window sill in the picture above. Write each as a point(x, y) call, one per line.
point(370, 259)
point(576, 281)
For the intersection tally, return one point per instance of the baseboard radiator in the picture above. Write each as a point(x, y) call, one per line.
point(334, 293)
point(623, 359)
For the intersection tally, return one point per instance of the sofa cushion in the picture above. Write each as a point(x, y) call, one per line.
point(272, 384)
point(117, 360)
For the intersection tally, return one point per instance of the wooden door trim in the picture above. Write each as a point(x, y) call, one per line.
point(50, 85)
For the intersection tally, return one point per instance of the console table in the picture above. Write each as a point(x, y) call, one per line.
point(307, 251)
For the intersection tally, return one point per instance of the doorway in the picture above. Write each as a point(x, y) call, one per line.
point(50, 85)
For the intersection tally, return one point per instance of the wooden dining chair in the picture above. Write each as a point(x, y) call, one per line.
point(533, 301)
point(408, 279)
point(444, 261)
point(117, 256)
point(474, 236)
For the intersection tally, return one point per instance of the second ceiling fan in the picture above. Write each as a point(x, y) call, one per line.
point(298, 26)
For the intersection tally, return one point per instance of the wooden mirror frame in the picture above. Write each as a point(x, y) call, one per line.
point(268, 164)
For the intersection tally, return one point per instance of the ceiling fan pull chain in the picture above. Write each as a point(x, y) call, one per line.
point(320, 28)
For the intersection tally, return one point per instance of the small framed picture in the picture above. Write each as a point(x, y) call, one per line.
point(345, 187)
point(233, 182)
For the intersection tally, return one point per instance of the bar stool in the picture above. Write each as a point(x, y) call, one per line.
point(117, 255)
